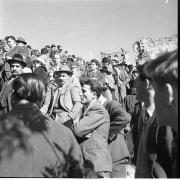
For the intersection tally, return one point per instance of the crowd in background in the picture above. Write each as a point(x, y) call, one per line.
point(74, 118)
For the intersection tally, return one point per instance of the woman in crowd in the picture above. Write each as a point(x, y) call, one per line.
point(30, 144)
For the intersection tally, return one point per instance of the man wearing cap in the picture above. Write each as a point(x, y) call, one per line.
point(17, 64)
point(63, 100)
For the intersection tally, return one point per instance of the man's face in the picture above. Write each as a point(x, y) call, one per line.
point(53, 48)
point(16, 68)
point(105, 64)
point(137, 49)
point(56, 59)
point(62, 78)
point(93, 66)
point(164, 111)
point(11, 42)
point(88, 95)
point(6, 48)
point(74, 69)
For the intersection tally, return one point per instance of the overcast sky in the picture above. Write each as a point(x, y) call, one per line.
point(86, 27)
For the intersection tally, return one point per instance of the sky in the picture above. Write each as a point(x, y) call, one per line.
point(86, 27)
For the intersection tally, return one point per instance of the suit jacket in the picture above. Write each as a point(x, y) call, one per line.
point(129, 103)
point(33, 146)
point(94, 128)
point(159, 150)
point(6, 97)
point(123, 81)
point(159, 146)
point(119, 118)
point(65, 96)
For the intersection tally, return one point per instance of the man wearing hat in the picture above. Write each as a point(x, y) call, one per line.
point(17, 64)
point(63, 100)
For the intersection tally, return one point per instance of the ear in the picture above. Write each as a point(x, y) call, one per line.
point(168, 89)
point(148, 84)
point(95, 95)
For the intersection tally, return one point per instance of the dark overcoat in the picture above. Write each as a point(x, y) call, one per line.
point(33, 146)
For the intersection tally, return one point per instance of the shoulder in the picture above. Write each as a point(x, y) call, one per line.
point(98, 108)
point(112, 104)
point(61, 133)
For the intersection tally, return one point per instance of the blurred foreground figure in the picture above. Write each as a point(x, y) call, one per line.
point(30, 144)
point(154, 153)
point(164, 73)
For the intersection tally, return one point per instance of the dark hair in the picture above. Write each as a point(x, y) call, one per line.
point(30, 87)
point(136, 42)
point(28, 46)
point(164, 69)
point(141, 71)
point(58, 46)
point(130, 66)
point(34, 52)
point(106, 59)
point(95, 86)
point(95, 61)
point(53, 45)
point(47, 46)
point(11, 37)
point(44, 51)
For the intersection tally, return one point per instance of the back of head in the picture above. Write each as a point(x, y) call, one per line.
point(44, 51)
point(106, 60)
point(29, 87)
point(141, 71)
point(11, 37)
point(164, 69)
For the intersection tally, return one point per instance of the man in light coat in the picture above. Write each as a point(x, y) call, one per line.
point(93, 129)
point(63, 100)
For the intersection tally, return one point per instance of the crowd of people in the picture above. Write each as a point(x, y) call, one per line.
point(61, 116)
